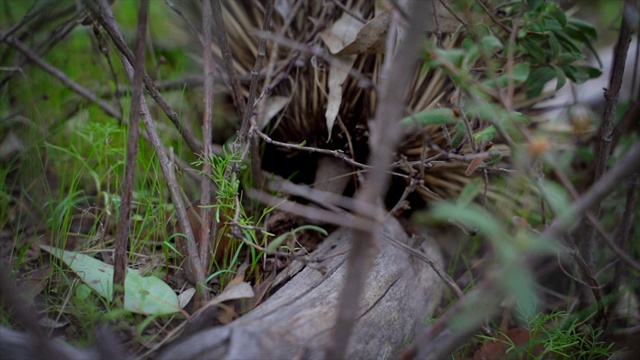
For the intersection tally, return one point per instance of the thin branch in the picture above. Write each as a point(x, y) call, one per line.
point(489, 295)
point(607, 124)
point(79, 89)
point(112, 29)
point(398, 68)
point(206, 228)
point(101, 9)
point(244, 139)
point(227, 58)
point(122, 237)
point(340, 219)
point(255, 72)
point(596, 193)
point(364, 81)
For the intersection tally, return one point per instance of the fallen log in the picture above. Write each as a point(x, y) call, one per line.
point(296, 321)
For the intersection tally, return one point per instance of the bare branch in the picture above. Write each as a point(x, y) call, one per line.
point(120, 256)
point(112, 29)
point(79, 89)
point(204, 245)
point(397, 69)
point(606, 126)
point(101, 10)
point(227, 58)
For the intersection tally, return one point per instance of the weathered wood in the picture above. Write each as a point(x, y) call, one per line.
point(295, 322)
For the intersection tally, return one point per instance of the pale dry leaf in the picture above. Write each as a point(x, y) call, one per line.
point(441, 20)
point(336, 37)
point(273, 105)
point(341, 33)
point(185, 297)
point(337, 75)
point(371, 38)
point(51, 323)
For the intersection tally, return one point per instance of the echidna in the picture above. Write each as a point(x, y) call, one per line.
point(303, 92)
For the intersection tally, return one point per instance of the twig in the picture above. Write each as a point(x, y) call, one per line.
point(255, 72)
point(100, 9)
point(494, 18)
point(120, 256)
point(330, 217)
point(342, 7)
point(606, 126)
point(79, 89)
point(244, 139)
point(488, 292)
point(206, 228)
point(188, 81)
point(113, 31)
point(227, 58)
point(335, 153)
point(104, 50)
point(398, 68)
point(320, 197)
point(317, 51)
point(432, 263)
point(56, 36)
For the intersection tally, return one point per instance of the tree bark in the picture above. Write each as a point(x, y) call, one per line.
point(400, 294)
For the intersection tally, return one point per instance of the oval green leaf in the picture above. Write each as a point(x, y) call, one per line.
point(143, 294)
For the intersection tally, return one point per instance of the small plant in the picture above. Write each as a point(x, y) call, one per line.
point(546, 336)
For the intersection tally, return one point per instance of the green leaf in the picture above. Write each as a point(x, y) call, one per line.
point(454, 56)
point(472, 217)
point(534, 50)
point(486, 134)
point(554, 44)
point(520, 72)
point(442, 116)
point(567, 42)
point(143, 295)
point(584, 28)
point(550, 24)
point(518, 282)
point(491, 43)
point(568, 59)
point(556, 196)
point(559, 15)
point(469, 192)
point(275, 243)
point(538, 78)
point(562, 79)
point(581, 73)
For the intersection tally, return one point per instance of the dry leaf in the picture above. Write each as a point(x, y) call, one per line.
point(371, 38)
point(273, 106)
point(343, 32)
point(337, 76)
